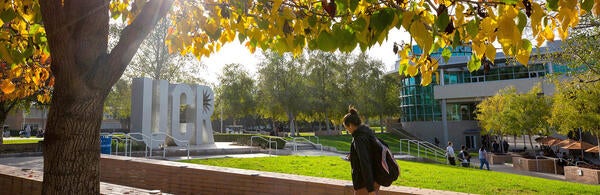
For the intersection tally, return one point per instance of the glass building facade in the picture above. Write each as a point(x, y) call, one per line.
point(418, 102)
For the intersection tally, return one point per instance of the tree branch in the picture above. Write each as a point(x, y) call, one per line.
point(129, 42)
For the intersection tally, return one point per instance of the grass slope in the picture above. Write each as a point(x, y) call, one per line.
point(31, 140)
point(421, 175)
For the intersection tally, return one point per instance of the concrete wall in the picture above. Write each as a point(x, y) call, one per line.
point(480, 90)
point(428, 130)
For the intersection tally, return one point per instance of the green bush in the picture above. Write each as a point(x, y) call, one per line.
point(137, 146)
point(244, 139)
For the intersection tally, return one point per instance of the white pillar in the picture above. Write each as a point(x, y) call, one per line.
point(444, 121)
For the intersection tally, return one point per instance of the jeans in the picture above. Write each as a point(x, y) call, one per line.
point(484, 161)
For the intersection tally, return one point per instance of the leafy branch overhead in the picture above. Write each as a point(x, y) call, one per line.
point(202, 27)
point(291, 25)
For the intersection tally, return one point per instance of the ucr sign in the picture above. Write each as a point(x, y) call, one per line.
point(179, 110)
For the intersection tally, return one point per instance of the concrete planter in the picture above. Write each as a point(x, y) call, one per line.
point(19, 148)
point(582, 175)
point(538, 165)
point(499, 158)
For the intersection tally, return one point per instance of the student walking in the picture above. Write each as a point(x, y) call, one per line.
point(483, 158)
point(362, 152)
point(450, 154)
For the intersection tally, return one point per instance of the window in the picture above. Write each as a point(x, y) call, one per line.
point(470, 141)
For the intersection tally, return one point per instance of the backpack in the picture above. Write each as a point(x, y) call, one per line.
point(385, 167)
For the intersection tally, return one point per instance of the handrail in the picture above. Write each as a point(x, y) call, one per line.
point(268, 141)
point(151, 143)
point(577, 163)
point(296, 145)
point(117, 145)
point(426, 147)
point(119, 140)
point(139, 140)
point(187, 144)
point(408, 151)
point(315, 137)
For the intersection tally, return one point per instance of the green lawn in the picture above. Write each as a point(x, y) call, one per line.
point(342, 144)
point(19, 140)
point(421, 175)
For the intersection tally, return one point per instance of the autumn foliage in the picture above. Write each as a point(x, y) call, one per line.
point(25, 63)
point(202, 27)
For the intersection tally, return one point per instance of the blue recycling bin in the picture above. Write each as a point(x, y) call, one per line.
point(105, 144)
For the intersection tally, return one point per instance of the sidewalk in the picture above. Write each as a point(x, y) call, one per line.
point(507, 168)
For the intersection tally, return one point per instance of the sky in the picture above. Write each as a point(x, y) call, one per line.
point(235, 52)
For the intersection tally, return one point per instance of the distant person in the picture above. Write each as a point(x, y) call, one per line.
point(450, 153)
point(464, 156)
point(27, 131)
point(483, 158)
point(362, 152)
point(505, 146)
point(436, 141)
point(495, 146)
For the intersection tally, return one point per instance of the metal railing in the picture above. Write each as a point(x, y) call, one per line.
point(315, 137)
point(267, 140)
point(424, 146)
point(187, 144)
point(130, 143)
point(302, 138)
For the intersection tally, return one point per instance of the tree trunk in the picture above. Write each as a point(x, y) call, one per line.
point(72, 144)
point(291, 123)
point(515, 141)
point(327, 124)
point(84, 73)
point(381, 123)
point(531, 143)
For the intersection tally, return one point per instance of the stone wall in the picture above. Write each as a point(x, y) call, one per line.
point(499, 158)
point(589, 176)
point(538, 165)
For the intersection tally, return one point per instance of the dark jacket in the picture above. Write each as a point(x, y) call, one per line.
point(361, 158)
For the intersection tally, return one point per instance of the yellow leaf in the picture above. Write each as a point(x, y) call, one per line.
point(406, 19)
point(508, 34)
point(490, 52)
point(7, 86)
point(549, 31)
point(479, 48)
point(40, 98)
point(596, 8)
point(524, 52)
point(563, 33)
point(536, 18)
point(412, 70)
point(423, 37)
point(426, 78)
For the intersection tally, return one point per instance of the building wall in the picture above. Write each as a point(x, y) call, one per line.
point(16, 120)
point(428, 130)
point(478, 91)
